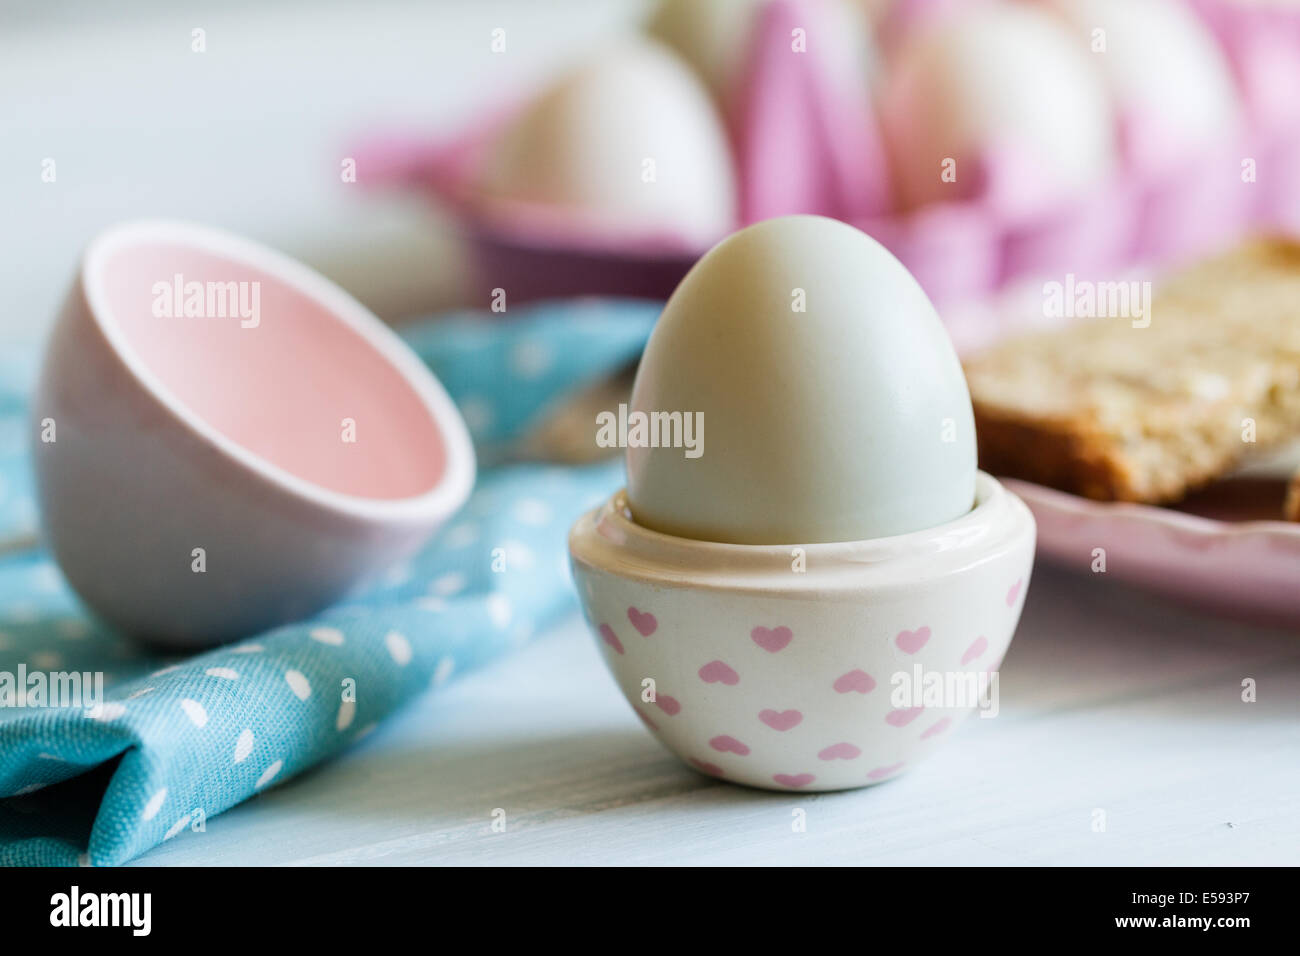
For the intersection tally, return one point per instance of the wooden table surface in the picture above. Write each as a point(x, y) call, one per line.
point(1115, 708)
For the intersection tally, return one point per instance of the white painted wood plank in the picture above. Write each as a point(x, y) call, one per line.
point(1110, 701)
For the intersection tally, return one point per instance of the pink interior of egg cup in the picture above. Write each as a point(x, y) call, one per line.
point(268, 361)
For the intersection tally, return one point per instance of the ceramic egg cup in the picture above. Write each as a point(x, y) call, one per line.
point(776, 666)
point(195, 476)
point(829, 151)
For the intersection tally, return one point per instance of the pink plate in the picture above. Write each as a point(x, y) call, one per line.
point(1219, 550)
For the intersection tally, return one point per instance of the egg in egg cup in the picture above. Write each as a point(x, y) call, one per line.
point(816, 597)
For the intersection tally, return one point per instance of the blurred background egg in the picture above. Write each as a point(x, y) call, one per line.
point(833, 404)
point(716, 37)
point(711, 35)
point(1167, 76)
point(627, 142)
point(996, 83)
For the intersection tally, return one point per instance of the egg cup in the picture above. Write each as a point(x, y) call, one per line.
point(225, 441)
point(817, 667)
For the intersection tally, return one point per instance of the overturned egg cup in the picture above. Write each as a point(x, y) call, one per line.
point(785, 667)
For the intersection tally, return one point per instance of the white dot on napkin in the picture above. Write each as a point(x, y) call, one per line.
point(243, 746)
point(399, 648)
point(347, 712)
point(449, 584)
point(223, 672)
point(177, 827)
point(499, 610)
point(530, 360)
point(298, 683)
point(268, 774)
point(154, 805)
point(195, 712)
point(327, 635)
point(533, 511)
point(109, 711)
point(461, 536)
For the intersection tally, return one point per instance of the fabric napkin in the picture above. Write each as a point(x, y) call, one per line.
point(176, 741)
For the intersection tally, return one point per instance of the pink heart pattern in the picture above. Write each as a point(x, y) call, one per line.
point(771, 639)
point(780, 719)
point(909, 642)
point(793, 779)
point(643, 621)
point(668, 705)
point(855, 681)
point(776, 639)
point(841, 751)
point(610, 638)
point(978, 647)
point(903, 717)
point(719, 672)
point(727, 744)
point(936, 729)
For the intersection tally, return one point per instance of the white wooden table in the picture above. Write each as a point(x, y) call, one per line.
point(1111, 701)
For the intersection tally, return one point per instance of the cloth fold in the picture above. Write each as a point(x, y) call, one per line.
point(177, 740)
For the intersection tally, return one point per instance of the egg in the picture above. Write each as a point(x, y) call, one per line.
point(716, 37)
point(1163, 68)
point(627, 142)
point(996, 79)
point(711, 35)
point(824, 399)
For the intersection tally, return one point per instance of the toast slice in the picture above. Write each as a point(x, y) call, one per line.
point(1110, 410)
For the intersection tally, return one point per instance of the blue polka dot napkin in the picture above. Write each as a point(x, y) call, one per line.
point(172, 742)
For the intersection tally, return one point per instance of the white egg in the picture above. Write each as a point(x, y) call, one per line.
point(1162, 65)
point(823, 396)
point(629, 141)
point(711, 35)
point(716, 37)
point(996, 78)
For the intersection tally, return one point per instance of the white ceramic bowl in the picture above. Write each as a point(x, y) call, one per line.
point(755, 671)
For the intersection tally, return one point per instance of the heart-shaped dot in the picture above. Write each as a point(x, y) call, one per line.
point(668, 705)
point(609, 637)
point(978, 647)
point(903, 717)
point(909, 642)
point(771, 639)
point(880, 773)
point(729, 745)
point(780, 719)
point(718, 672)
point(795, 780)
point(1013, 592)
point(643, 621)
point(840, 751)
point(937, 728)
point(855, 681)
